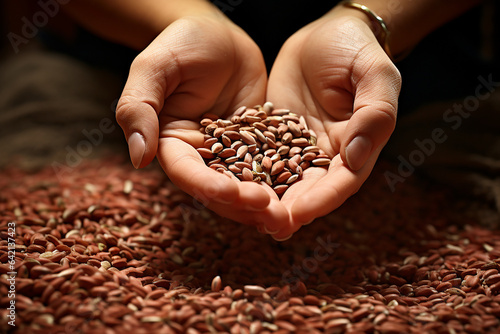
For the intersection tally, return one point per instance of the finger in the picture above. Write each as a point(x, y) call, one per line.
point(375, 109)
point(272, 213)
point(330, 191)
point(186, 168)
point(141, 102)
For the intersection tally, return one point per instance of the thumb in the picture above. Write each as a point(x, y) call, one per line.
point(141, 101)
point(374, 115)
point(139, 123)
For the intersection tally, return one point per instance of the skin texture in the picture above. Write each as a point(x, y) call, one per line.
point(332, 71)
point(196, 65)
point(335, 74)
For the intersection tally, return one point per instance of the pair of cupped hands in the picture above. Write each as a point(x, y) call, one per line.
point(332, 71)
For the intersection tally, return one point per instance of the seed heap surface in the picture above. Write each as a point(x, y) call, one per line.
point(109, 249)
point(261, 144)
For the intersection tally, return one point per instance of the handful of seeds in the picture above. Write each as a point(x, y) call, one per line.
point(261, 144)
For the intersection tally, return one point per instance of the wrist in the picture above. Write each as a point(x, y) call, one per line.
point(136, 23)
point(377, 25)
point(409, 22)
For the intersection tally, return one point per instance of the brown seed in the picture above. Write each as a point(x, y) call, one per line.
point(276, 157)
point(237, 144)
point(211, 128)
point(227, 152)
point(247, 138)
point(209, 142)
point(226, 141)
point(231, 160)
point(321, 162)
point(302, 142)
point(233, 135)
point(270, 134)
point(260, 126)
point(206, 122)
point(234, 169)
point(313, 149)
point(287, 138)
point(292, 179)
point(283, 176)
point(280, 189)
point(270, 142)
point(277, 167)
point(280, 112)
point(260, 136)
point(283, 150)
point(216, 284)
point(216, 148)
point(205, 153)
point(309, 156)
point(242, 151)
point(254, 290)
point(218, 132)
point(294, 129)
point(242, 164)
point(247, 174)
point(266, 164)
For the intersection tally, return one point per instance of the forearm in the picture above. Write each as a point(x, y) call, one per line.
point(134, 23)
point(410, 21)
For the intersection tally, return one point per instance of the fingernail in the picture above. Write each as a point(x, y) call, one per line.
point(282, 239)
point(357, 152)
point(269, 231)
point(136, 147)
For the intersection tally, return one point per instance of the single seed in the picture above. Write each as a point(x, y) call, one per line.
point(260, 126)
point(266, 164)
point(218, 132)
point(268, 107)
point(292, 179)
point(231, 160)
point(227, 152)
point(211, 128)
point(254, 290)
point(294, 129)
point(247, 174)
point(309, 156)
point(242, 164)
point(276, 157)
point(209, 142)
point(242, 151)
point(237, 144)
point(287, 138)
point(206, 121)
point(321, 162)
point(260, 135)
point(247, 138)
point(283, 150)
point(226, 141)
point(234, 169)
point(313, 149)
point(216, 148)
point(216, 284)
point(280, 189)
point(277, 167)
point(205, 153)
point(300, 142)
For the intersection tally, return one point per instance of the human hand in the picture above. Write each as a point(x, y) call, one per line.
point(196, 65)
point(335, 74)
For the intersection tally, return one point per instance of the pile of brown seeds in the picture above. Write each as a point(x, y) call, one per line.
point(261, 144)
point(112, 250)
